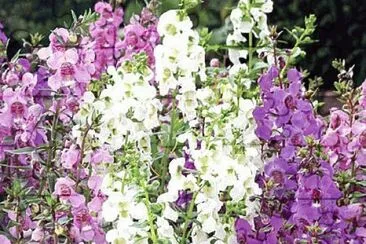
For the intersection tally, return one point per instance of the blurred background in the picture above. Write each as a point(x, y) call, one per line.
point(341, 31)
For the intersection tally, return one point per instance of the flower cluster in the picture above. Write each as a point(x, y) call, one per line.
point(104, 33)
point(249, 20)
point(37, 93)
point(344, 143)
point(121, 120)
point(179, 60)
point(300, 200)
point(20, 118)
point(140, 35)
point(213, 178)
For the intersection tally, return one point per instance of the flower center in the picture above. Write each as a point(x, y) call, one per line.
point(316, 195)
point(82, 216)
point(277, 176)
point(65, 191)
point(296, 140)
point(290, 102)
point(362, 139)
point(336, 122)
point(17, 108)
point(67, 70)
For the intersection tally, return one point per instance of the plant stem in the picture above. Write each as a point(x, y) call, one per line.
point(150, 219)
point(250, 51)
point(168, 147)
point(289, 61)
point(82, 148)
point(51, 151)
point(188, 218)
point(275, 60)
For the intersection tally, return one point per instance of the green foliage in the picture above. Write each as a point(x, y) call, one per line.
point(340, 33)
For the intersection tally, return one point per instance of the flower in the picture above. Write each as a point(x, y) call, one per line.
point(4, 239)
point(70, 157)
point(64, 189)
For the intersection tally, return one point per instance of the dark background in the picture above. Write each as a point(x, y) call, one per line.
point(341, 31)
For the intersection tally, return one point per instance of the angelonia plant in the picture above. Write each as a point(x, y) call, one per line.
point(123, 132)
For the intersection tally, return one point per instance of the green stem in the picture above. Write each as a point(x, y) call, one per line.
point(51, 152)
point(168, 147)
point(188, 218)
point(250, 51)
point(81, 154)
point(238, 95)
point(150, 219)
point(18, 228)
point(289, 61)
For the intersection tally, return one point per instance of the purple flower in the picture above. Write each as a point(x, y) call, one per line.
point(266, 80)
point(297, 189)
point(24, 221)
point(184, 198)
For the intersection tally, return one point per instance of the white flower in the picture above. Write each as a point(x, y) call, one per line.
point(165, 230)
point(199, 236)
point(169, 213)
point(171, 23)
point(209, 225)
point(109, 207)
point(139, 211)
point(179, 60)
point(238, 21)
point(267, 7)
point(112, 235)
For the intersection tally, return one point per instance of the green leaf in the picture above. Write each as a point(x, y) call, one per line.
point(260, 65)
point(361, 183)
point(20, 151)
point(358, 195)
point(74, 17)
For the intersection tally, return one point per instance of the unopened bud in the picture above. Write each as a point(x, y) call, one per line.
point(73, 38)
point(282, 62)
point(215, 63)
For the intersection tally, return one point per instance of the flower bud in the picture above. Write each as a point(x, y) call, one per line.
point(215, 63)
point(73, 38)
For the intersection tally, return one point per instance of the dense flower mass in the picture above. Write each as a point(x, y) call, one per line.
point(124, 132)
point(298, 192)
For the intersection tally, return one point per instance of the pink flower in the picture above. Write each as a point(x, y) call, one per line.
point(65, 65)
point(4, 240)
point(24, 220)
point(84, 223)
point(38, 235)
point(15, 107)
point(59, 39)
point(101, 156)
point(94, 184)
point(70, 157)
point(64, 189)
